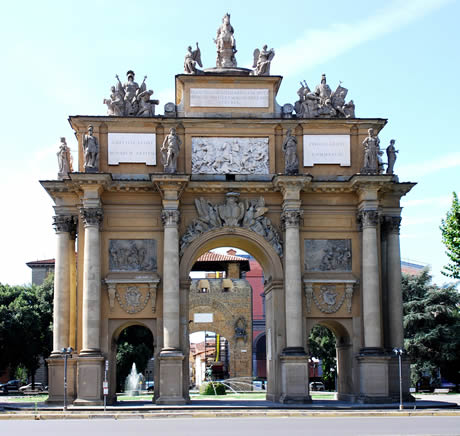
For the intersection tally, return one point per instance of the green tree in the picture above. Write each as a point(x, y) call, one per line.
point(450, 230)
point(135, 345)
point(431, 328)
point(25, 325)
point(321, 344)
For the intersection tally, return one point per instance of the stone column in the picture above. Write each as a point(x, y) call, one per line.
point(171, 300)
point(372, 310)
point(92, 219)
point(293, 281)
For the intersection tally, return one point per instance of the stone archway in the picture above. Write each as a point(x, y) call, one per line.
point(272, 266)
point(341, 328)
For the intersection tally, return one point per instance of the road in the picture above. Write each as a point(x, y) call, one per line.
point(415, 425)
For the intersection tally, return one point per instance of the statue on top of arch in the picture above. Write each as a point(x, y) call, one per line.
point(226, 44)
point(323, 103)
point(129, 99)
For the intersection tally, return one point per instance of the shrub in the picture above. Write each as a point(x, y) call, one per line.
point(212, 388)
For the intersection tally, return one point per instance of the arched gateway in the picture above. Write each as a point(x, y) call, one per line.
point(304, 193)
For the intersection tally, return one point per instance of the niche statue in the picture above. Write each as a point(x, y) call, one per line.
point(291, 161)
point(91, 150)
point(64, 160)
point(170, 151)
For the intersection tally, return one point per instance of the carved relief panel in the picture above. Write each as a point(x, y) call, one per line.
point(327, 255)
point(132, 255)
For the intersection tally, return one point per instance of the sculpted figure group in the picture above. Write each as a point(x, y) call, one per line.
point(233, 213)
point(129, 99)
point(373, 163)
point(323, 103)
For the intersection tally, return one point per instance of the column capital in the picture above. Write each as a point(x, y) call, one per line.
point(290, 186)
point(65, 224)
point(391, 224)
point(170, 217)
point(92, 216)
point(290, 218)
point(368, 218)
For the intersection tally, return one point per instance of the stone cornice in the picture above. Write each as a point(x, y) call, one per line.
point(170, 186)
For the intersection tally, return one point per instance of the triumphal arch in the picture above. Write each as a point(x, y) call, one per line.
point(306, 188)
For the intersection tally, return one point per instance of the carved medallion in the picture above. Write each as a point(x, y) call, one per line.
point(327, 299)
point(328, 255)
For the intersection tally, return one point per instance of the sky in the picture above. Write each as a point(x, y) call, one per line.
point(398, 58)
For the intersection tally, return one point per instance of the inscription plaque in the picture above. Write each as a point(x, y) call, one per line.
point(132, 255)
point(203, 317)
point(132, 148)
point(218, 97)
point(326, 149)
point(328, 255)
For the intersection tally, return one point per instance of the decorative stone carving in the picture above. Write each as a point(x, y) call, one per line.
point(349, 287)
point(328, 255)
point(327, 299)
point(191, 59)
point(323, 103)
point(112, 291)
point(170, 217)
point(170, 151)
point(290, 218)
point(240, 329)
point(392, 224)
point(132, 255)
point(153, 295)
point(368, 218)
point(226, 45)
point(233, 213)
point(130, 99)
point(92, 216)
point(217, 155)
point(391, 155)
point(372, 155)
point(91, 151)
point(65, 160)
point(65, 223)
point(262, 60)
point(133, 300)
point(308, 296)
point(291, 161)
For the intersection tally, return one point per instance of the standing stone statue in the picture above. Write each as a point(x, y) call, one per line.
point(64, 160)
point(291, 161)
point(391, 155)
point(130, 89)
point(226, 45)
point(191, 59)
point(372, 161)
point(170, 151)
point(91, 150)
point(262, 61)
point(323, 91)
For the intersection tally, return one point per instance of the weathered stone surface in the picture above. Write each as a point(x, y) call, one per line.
point(327, 255)
point(132, 255)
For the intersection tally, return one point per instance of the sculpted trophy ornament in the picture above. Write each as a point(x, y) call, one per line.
point(291, 161)
point(91, 151)
point(262, 61)
point(64, 160)
point(372, 155)
point(323, 103)
point(130, 99)
point(170, 151)
point(226, 45)
point(191, 59)
point(391, 155)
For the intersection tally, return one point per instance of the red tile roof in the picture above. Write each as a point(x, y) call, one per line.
point(46, 262)
point(216, 257)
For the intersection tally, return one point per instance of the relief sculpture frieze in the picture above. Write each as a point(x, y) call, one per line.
point(132, 255)
point(328, 255)
point(229, 155)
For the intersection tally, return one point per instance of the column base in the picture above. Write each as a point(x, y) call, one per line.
point(373, 377)
point(171, 377)
point(89, 380)
point(294, 376)
point(56, 379)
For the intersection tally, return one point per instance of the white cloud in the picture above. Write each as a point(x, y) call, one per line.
point(316, 46)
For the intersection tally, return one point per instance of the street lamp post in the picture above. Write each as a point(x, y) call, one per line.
point(66, 352)
point(399, 352)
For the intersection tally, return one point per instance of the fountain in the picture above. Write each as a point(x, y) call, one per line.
point(133, 381)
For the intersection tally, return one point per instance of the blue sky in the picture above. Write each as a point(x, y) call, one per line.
point(399, 60)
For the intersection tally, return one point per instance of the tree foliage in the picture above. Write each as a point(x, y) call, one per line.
point(26, 314)
point(431, 328)
point(135, 345)
point(321, 344)
point(450, 229)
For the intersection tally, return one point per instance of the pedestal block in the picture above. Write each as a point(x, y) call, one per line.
point(171, 378)
point(373, 378)
point(56, 379)
point(90, 373)
point(393, 379)
point(294, 378)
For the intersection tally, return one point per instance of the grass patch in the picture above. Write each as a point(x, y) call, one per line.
point(27, 398)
